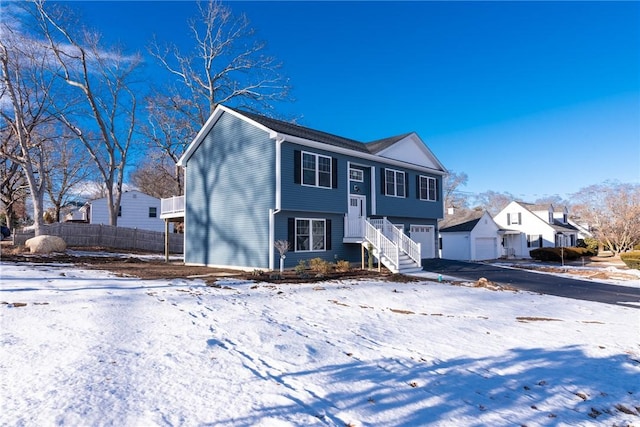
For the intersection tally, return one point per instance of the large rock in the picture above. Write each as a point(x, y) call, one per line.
point(45, 244)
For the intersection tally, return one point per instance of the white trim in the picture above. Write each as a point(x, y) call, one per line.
point(317, 170)
point(359, 154)
point(395, 180)
point(295, 234)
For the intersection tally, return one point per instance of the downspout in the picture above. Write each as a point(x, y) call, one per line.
point(278, 201)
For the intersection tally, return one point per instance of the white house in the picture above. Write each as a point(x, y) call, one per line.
point(471, 237)
point(527, 226)
point(137, 210)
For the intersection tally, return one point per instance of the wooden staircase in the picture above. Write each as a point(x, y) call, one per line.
point(394, 249)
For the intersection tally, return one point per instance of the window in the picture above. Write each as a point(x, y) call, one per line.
point(514, 218)
point(316, 170)
point(153, 212)
point(394, 184)
point(428, 188)
point(356, 175)
point(534, 240)
point(310, 235)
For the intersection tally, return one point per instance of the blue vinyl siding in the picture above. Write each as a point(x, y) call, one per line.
point(338, 251)
point(230, 188)
point(298, 197)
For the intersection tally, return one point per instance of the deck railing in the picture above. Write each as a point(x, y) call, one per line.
point(172, 206)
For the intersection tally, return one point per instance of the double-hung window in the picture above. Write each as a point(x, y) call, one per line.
point(394, 183)
point(428, 188)
point(310, 235)
point(316, 170)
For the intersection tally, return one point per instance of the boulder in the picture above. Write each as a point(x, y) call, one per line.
point(45, 244)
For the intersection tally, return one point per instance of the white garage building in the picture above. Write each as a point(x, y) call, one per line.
point(472, 237)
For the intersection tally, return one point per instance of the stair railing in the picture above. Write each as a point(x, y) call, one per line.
point(397, 236)
point(385, 247)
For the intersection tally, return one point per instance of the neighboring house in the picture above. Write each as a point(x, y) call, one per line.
point(252, 181)
point(471, 236)
point(137, 210)
point(529, 226)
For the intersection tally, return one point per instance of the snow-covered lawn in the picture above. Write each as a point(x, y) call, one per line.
point(93, 349)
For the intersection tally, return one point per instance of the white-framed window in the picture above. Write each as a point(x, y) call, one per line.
point(310, 235)
point(428, 188)
point(394, 183)
point(514, 218)
point(356, 174)
point(316, 170)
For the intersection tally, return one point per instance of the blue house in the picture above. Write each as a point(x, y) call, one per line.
point(251, 181)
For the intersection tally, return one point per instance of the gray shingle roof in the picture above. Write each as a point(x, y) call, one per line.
point(464, 221)
point(319, 136)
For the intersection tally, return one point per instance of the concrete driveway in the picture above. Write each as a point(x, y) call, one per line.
point(536, 282)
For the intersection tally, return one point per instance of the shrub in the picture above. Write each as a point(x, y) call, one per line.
point(301, 267)
point(343, 266)
point(320, 266)
point(557, 254)
point(631, 259)
point(590, 244)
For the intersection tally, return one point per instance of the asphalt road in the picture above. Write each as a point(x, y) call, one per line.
point(537, 282)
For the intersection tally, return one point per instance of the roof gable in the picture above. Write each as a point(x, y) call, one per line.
point(407, 148)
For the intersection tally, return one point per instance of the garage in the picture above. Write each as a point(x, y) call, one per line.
point(424, 234)
point(485, 248)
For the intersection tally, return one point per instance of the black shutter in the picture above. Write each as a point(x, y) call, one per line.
point(438, 198)
point(519, 218)
point(406, 184)
point(508, 219)
point(327, 233)
point(297, 166)
point(383, 187)
point(418, 187)
point(291, 233)
point(334, 172)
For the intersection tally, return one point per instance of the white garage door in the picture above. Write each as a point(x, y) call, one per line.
point(485, 248)
point(424, 234)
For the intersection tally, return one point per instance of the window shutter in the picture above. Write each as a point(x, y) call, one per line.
point(438, 198)
point(291, 233)
point(383, 184)
point(334, 172)
point(508, 219)
point(327, 233)
point(297, 166)
point(406, 184)
point(520, 218)
point(418, 187)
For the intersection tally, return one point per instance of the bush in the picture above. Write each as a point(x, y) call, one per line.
point(319, 266)
point(343, 266)
point(589, 243)
point(631, 259)
point(301, 267)
point(557, 254)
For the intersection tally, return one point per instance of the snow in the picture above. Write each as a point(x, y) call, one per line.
point(92, 348)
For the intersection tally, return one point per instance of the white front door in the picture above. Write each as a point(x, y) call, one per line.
point(355, 216)
point(357, 206)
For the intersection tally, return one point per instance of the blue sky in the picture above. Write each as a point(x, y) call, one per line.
point(530, 98)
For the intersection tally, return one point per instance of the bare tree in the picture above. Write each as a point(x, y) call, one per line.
point(453, 197)
point(612, 211)
point(68, 165)
point(13, 191)
point(227, 66)
point(27, 83)
point(493, 201)
point(106, 123)
point(155, 178)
